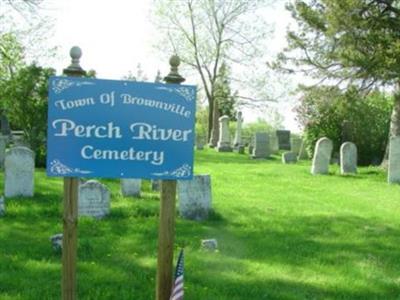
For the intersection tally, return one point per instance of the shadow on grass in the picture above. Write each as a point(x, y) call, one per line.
point(275, 289)
point(341, 249)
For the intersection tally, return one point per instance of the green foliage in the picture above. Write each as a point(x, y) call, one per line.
point(223, 94)
point(282, 234)
point(11, 56)
point(24, 98)
point(355, 40)
point(201, 123)
point(91, 73)
point(206, 33)
point(249, 129)
point(323, 110)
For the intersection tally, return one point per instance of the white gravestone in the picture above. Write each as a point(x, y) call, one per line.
point(131, 187)
point(224, 142)
point(19, 172)
point(261, 145)
point(289, 158)
point(3, 145)
point(322, 156)
point(394, 160)
point(94, 199)
point(237, 142)
point(195, 197)
point(348, 158)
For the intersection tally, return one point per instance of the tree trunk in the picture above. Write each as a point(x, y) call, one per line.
point(210, 120)
point(215, 126)
point(394, 125)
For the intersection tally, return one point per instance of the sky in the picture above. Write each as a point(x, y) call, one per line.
point(117, 35)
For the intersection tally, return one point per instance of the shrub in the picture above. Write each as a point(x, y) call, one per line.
point(322, 111)
point(24, 98)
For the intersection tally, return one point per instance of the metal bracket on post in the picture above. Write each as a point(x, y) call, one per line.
point(166, 232)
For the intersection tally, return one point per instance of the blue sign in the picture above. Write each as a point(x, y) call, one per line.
point(120, 129)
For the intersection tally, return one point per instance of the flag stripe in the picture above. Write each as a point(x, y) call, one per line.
point(178, 296)
point(177, 289)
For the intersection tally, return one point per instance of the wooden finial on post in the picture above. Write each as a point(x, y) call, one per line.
point(166, 231)
point(173, 76)
point(70, 213)
point(74, 69)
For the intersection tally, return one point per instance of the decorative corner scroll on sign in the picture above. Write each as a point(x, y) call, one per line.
point(187, 93)
point(57, 167)
point(181, 172)
point(59, 85)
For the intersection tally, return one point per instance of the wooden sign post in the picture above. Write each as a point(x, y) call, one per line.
point(72, 154)
point(70, 214)
point(166, 232)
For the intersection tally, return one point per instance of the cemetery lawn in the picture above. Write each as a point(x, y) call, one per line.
point(282, 234)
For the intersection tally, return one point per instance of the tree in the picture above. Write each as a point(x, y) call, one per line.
point(205, 33)
point(348, 42)
point(345, 116)
point(24, 98)
point(11, 56)
point(26, 21)
point(223, 95)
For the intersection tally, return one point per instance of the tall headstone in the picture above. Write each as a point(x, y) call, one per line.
point(348, 158)
point(303, 154)
point(295, 145)
point(273, 143)
point(261, 145)
point(131, 187)
point(19, 172)
point(195, 197)
point(394, 160)
point(322, 156)
point(283, 139)
point(3, 145)
point(237, 142)
point(94, 199)
point(224, 142)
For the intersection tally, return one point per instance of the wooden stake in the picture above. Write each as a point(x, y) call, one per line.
point(166, 231)
point(69, 246)
point(70, 214)
point(166, 236)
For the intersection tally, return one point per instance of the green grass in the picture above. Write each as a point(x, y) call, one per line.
point(282, 234)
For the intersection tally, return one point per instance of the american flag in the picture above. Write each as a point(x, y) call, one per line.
point(177, 288)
